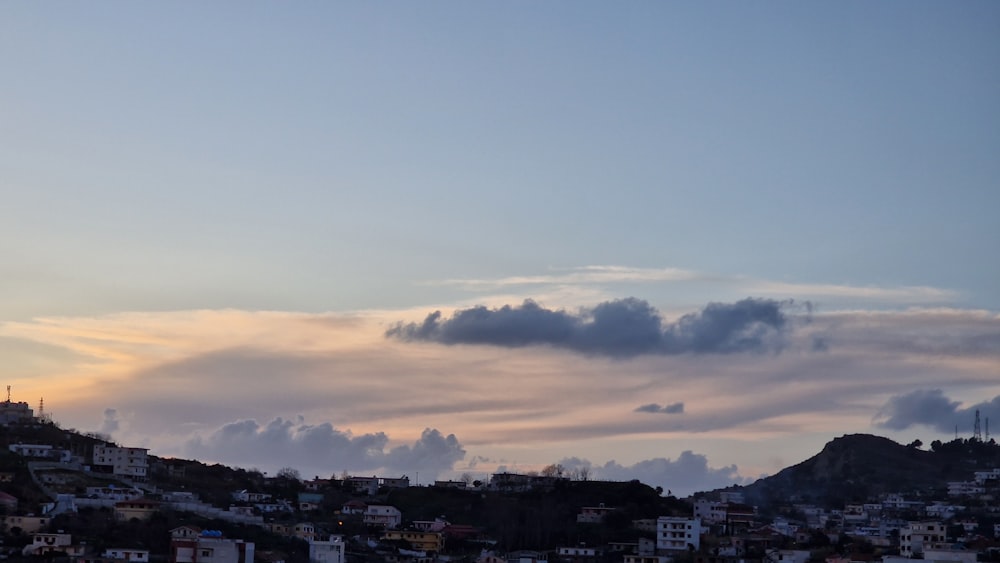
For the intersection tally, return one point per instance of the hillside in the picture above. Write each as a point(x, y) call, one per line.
point(857, 467)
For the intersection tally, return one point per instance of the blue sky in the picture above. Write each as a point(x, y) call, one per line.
point(381, 161)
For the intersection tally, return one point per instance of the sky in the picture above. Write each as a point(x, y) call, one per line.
point(682, 242)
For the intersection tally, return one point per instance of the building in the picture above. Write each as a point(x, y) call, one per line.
point(366, 485)
point(580, 554)
point(12, 413)
point(304, 531)
point(328, 551)
point(383, 516)
point(123, 554)
point(915, 537)
point(418, 540)
point(593, 514)
point(678, 534)
point(42, 451)
point(27, 524)
point(131, 463)
point(210, 547)
point(396, 482)
point(42, 543)
point(310, 501)
point(140, 508)
point(251, 497)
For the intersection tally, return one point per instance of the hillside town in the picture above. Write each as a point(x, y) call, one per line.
point(69, 496)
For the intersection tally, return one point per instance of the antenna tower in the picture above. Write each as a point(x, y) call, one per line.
point(987, 429)
point(41, 407)
point(977, 432)
point(8, 393)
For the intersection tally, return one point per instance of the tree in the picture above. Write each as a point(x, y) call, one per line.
point(289, 473)
point(554, 470)
point(915, 444)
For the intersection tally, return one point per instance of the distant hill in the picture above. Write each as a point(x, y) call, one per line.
point(857, 467)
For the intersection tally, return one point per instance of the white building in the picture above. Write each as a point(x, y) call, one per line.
point(710, 511)
point(210, 547)
point(916, 537)
point(132, 463)
point(383, 516)
point(329, 551)
point(678, 534)
point(119, 554)
point(950, 555)
point(41, 450)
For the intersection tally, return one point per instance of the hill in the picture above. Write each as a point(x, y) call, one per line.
point(857, 467)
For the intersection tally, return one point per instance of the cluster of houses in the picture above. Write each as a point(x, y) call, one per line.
point(188, 544)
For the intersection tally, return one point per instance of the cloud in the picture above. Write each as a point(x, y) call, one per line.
point(687, 474)
point(621, 328)
point(931, 408)
point(673, 408)
point(606, 275)
point(111, 422)
point(582, 275)
point(321, 449)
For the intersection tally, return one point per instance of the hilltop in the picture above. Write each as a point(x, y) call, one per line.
point(857, 467)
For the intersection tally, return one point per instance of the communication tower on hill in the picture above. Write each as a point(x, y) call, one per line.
point(977, 433)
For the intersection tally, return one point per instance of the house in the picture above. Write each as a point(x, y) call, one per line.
point(710, 511)
point(132, 463)
point(42, 543)
point(27, 524)
point(251, 497)
point(527, 556)
point(630, 558)
point(593, 514)
point(396, 482)
point(112, 492)
point(383, 516)
point(678, 534)
point(787, 556)
point(451, 484)
point(122, 554)
point(42, 451)
point(353, 507)
point(210, 546)
point(12, 413)
point(950, 554)
point(185, 532)
point(304, 531)
point(316, 484)
point(915, 537)
point(581, 554)
point(140, 508)
point(421, 541)
point(310, 501)
point(328, 551)
point(365, 485)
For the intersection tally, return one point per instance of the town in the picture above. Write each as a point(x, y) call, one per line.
point(71, 496)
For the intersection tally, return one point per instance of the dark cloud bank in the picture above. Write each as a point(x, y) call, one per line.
point(932, 408)
point(622, 328)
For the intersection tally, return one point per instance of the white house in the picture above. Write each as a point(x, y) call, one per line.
point(119, 554)
point(383, 516)
point(132, 463)
point(915, 537)
point(678, 534)
point(328, 551)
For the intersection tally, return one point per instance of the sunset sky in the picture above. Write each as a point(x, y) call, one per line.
point(684, 242)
